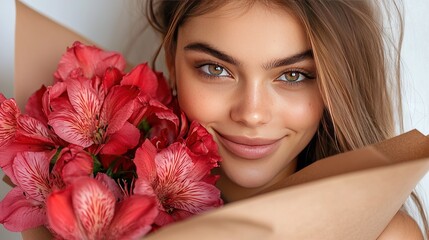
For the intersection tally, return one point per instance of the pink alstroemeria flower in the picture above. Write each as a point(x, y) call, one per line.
point(203, 150)
point(19, 133)
point(152, 84)
point(88, 118)
point(87, 61)
point(9, 113)
point(176, 181)
point(87, 209)
point(163, 123)
point(24, 206)
point(73, 162)
point(35, 108)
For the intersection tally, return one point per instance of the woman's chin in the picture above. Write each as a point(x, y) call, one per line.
point(249, 180)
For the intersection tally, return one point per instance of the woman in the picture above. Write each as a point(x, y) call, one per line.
point(280, 84)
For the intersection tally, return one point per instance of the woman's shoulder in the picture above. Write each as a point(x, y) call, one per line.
point(402, 226)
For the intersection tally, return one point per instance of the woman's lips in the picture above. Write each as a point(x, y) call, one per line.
point(249, 148)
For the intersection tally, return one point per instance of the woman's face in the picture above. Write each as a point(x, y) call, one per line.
point(249, 77)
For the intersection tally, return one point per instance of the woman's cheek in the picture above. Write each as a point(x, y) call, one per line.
point(197, 103)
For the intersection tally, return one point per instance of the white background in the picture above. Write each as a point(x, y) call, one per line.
point(113, 23)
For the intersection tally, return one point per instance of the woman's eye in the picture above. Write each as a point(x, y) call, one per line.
point(292, 77)
point(214, 70)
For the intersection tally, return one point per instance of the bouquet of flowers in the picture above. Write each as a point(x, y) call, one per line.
point(103, 154)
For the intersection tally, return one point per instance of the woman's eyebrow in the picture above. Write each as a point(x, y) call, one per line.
point(299, 57)
point(207, 48)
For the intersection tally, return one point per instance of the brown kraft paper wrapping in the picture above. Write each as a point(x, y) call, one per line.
point(39, 44)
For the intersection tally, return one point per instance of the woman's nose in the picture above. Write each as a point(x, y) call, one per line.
point(252, 105)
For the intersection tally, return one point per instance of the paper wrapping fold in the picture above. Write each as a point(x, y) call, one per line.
point(39, 44)
point(348, 196)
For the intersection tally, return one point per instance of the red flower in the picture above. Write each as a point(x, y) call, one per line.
point(73, 162)
point(87, 209)
point(9, 113)
point(163, 93)
point(201, 144)
point(24, 206)
point(156, 121)
point(87, 61)
point(176, 180)
point(151, 83)
point(20, 133)
point(95, 120)
point(35, 106)
point(203, 150)
point(88, 118)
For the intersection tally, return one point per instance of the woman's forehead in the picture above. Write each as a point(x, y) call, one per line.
point(258, 31)
point(232, 9)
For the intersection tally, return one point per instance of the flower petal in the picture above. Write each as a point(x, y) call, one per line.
point(70, 127)
point(118, 107)
point(133, 217)
point(123, 140)
point(8, 154)
point(87, 61)
point(203, 151)
point(18, 213)
point(143, 187)
point(54, 97)
point(163, 93)
point(109, 60)
point(174, 164)
point(75, 163)
point(200, 142)
point(60, 214)
point(31, 171)
point(145, 161)
point(33, 132)
point(179, 186)
point(146, 169)
point(84, 99)
point(163, 121)
point(34, 106)
point(94, 206)
point(9, 113)
point(163, 219)
point(112, 77)
point(77, 122)
point(196, 197)
point(143, 77)
point(110, 184)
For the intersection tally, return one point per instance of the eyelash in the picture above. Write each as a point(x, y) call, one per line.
point(305, 74)
point(211, 76)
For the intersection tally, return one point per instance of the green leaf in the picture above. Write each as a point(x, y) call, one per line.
point(97, 167)
point(54, 159)
point(144, 125)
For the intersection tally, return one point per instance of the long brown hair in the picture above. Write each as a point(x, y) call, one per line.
point(357, 61)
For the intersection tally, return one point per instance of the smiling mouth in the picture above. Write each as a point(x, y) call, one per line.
point(248, 148)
